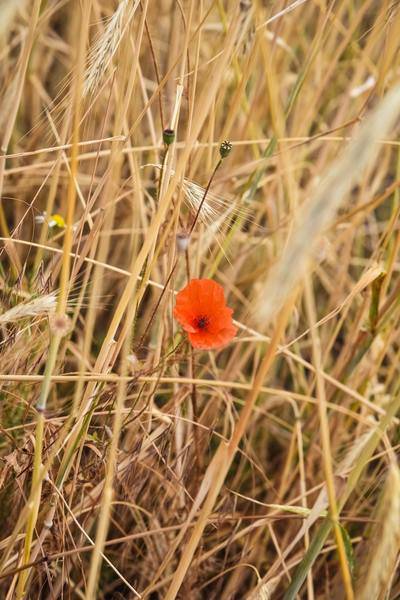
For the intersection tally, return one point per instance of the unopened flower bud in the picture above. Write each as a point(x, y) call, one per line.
point(225, 149)
point(168, 136)
point(182, 241)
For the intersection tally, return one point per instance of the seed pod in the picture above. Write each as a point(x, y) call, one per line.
point(168, 136)
point(225, 149)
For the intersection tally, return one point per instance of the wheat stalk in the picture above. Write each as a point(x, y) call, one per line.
point(320, 210)
point(42, 305)
point(106, 45)
point(211, 207)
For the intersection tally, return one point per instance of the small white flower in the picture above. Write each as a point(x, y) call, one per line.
point(41, 218)
point(55, 220)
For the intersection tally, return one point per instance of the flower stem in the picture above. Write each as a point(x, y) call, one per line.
point(222, 460)
point(196, 218)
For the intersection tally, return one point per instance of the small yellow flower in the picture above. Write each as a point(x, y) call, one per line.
point(56, 220)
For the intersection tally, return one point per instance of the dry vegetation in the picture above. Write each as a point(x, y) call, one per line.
point(133, 465)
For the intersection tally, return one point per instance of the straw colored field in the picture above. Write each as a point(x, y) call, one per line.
point(233, 438)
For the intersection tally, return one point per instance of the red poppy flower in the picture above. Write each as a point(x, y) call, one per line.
point(201, 310)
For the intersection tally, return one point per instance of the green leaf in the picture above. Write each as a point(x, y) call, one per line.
point(348, 546)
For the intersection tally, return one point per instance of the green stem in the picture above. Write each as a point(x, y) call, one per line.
point(324, 530)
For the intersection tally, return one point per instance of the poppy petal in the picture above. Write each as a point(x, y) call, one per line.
point(208, 341)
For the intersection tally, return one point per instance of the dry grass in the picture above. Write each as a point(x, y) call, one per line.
point(131, 465)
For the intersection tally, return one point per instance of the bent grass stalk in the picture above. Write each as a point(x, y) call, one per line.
point(35, 495)
point(104, 356)
point(325, 438)
point(217, 470)
point(102, 360)
point(79, 430)
point(77, 435)
point(127, 77)
point(106, 502)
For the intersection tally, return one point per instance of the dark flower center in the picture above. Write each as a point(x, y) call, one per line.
point(202, 322)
